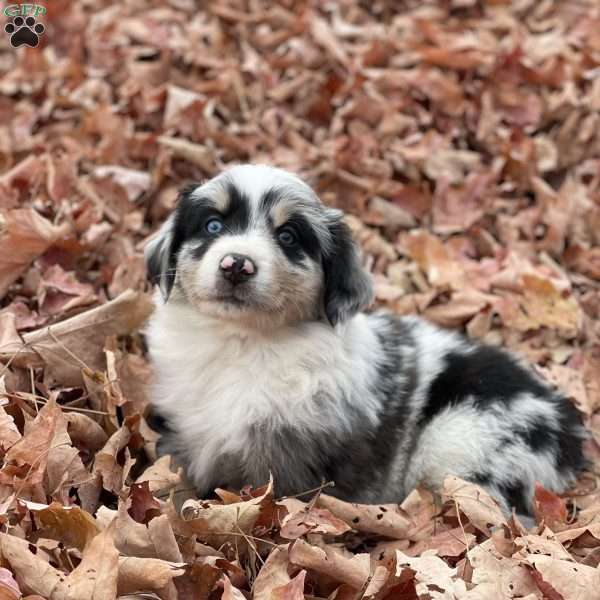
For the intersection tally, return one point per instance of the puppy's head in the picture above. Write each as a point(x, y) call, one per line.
point(256, 244)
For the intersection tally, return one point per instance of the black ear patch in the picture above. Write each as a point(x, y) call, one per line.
point(161, 252)
point(160, 263)
point(348, 286)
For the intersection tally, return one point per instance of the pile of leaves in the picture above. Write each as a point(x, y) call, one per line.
point(463, 140)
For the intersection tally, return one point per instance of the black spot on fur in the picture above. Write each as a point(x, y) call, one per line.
point(485, 375)
point(482, 478)
point(515, 496)
point(237, 216)
point(537, 435)
point(570, 448)
point(269, 199)
point(347, 286)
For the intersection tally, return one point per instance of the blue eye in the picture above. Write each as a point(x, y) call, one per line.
point(287, 237)
point(214, 225)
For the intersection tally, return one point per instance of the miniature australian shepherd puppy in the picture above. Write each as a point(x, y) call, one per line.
point(265, 363)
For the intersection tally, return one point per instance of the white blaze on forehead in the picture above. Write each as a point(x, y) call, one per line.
point(254, 182)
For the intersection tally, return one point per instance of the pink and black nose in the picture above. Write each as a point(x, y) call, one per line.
point(237, 268)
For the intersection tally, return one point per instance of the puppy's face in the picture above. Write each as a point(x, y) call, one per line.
point(256, 244)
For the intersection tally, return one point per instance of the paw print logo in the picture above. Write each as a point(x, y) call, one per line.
point(24, 31)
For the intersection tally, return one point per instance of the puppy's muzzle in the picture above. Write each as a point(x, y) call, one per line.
point(237, 268)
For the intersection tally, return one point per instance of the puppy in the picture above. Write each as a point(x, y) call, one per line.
point(265, 363)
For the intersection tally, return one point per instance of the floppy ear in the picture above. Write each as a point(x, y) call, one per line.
point(159, 258)
point(348, 287)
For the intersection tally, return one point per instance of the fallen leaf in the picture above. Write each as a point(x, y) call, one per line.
point(133, 182)
point(27, 459)
point(354, 571)
point(313, 520)
point(59, 292)
point(144, 505)
point(214, 522)
point(24, 235)
point(571, 580)
point(151, 574)
point(77, 343)
point(273, 575)
point(293, 590)
point(433, 258)
point(107, 465)
point(68, 524)
point(95, 577)
point(433, 577)
point(9, 588)
point(160, 477)
point(386, 519)
point(472, 500)
point(549, 508)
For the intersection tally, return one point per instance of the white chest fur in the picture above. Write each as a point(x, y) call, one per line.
point(216, 382)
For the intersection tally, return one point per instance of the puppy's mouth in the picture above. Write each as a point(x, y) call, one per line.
point(237, 296)
point(232, 300)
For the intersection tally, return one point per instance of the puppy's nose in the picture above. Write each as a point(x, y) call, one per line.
point(237, 268)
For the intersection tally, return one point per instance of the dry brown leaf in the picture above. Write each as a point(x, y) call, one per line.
point(312, 520)
point(26, 461)
point(293, 590)
point(433, 577)
point(95, 577)
point(68, 524)
point(85, 432)
point(461, 307)
point(24, 235)
point(542, 304)
point(59, 292)
point(273, 575)
point(9, 336)
point(107, 465)
point(354, 571)
point(66, 347)
point(474, 502)
point(450, 544)
point(549, 508)
point(495, 575)
point(230, 592)
point(434, 259)
point(149, 574)
point(571, 580)
point(33, 574)
point(9, 433)
point(385, 519)
point(196, 154)
point(9, 588)
point(133, 182)
point(546, 543)
point(160, 477)
point(214, 521)
point(143, 505)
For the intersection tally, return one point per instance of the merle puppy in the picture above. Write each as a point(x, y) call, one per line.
point(265, 363)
